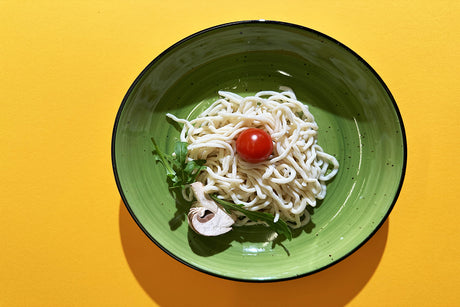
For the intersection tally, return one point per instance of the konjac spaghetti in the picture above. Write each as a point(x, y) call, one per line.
point(291, 178)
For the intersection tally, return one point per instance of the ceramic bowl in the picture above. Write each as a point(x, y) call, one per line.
point(359, 123)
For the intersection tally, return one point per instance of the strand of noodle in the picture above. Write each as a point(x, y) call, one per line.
point(268, 171)
point(230, 96)
point(237, 116)
point(277, 216)
point(216, 105)
point(246, 189)
point(280, 178)
point(334, 163)
point(222, 178)
point(215, 143)
point(288, 147)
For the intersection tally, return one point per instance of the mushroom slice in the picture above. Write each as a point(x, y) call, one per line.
point(206, 217)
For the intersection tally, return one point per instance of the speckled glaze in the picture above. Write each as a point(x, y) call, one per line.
point(358, 119)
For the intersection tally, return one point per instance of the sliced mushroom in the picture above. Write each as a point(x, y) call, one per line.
point(206, 217)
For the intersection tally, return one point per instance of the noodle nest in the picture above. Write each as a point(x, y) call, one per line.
point(291, 179)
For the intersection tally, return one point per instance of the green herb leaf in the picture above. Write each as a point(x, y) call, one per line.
point(180, 149)
point(280, 226)
point(159, 156)
point(180, 172)
point(193, 169)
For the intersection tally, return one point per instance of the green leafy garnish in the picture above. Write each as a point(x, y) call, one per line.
point(280, 226)
point(180, 172)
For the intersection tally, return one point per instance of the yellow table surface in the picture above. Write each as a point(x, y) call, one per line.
point(66, 237)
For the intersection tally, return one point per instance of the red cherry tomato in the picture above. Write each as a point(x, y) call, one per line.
point(254, 145)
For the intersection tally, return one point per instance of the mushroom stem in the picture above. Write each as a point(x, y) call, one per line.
point(206, 217)
point(198, 190)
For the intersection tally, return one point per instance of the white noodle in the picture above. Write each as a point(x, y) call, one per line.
point(284, 185)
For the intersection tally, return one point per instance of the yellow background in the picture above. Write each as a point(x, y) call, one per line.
point(66, 238)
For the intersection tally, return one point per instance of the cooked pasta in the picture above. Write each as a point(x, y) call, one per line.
point(292, 178)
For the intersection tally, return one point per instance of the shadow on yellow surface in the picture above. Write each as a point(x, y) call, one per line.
point(171, 283)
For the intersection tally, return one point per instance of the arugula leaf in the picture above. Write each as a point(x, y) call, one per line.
point(280, 226)
point(193, 169)
point(180, 149)
point(180, 172)
point(159, 156)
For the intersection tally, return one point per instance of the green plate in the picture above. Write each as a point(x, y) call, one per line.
point(359, 123)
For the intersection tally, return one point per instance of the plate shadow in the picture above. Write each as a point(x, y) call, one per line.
point(171, 283)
